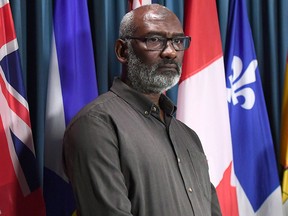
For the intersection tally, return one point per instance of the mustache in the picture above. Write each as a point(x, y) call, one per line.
point(170, 62)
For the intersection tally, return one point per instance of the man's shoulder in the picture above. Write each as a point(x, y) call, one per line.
point(100, 105)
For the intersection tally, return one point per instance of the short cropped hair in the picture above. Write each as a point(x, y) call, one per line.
point(127, 25)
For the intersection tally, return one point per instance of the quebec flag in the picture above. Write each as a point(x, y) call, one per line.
point(72, 84)
point(257, 182)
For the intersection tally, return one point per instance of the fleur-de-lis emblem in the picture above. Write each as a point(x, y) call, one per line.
point(239, 81)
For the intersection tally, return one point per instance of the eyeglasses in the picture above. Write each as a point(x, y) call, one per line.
point(159, 43)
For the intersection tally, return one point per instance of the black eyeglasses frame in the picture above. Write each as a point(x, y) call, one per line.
point(162, 39)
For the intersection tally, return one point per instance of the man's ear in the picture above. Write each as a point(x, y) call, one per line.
point(121, 51)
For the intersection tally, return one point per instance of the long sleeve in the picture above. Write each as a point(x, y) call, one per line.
point(92, 162)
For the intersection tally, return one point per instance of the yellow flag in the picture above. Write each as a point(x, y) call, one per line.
point(284, 137)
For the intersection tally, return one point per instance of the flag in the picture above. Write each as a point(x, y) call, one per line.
point(71, 85)
point(137, 3)
point(20, 191)
point(284, 141)
point(257, 181)
point(202, 98)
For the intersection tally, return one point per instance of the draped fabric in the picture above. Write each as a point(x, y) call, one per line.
point(203, 80)
point(71, 85)
point(284, 142)
point(250, 130)
point(20, 189)
point(270, 32)
point(33, 23)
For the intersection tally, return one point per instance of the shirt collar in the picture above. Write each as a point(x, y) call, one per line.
point(139, 101)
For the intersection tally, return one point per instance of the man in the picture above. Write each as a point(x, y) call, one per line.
point(125, 153)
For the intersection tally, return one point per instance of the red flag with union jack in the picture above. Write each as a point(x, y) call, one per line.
point(20, 191)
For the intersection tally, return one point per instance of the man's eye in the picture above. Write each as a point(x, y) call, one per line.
point(154, 39)
point(177, 40)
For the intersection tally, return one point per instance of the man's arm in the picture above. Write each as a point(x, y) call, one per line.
point(92, 163)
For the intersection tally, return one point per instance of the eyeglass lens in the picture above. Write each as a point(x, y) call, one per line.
point(179, 44)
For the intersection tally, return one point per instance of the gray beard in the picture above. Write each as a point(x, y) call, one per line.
point(146, 79)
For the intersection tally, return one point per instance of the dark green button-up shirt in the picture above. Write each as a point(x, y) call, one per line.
point(123, 160)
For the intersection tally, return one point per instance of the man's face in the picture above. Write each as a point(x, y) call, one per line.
point(149, 78)
point(154, 71)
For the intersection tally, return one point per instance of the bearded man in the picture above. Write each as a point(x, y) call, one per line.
point(125, 153)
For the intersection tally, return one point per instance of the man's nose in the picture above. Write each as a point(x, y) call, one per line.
point(169, 51)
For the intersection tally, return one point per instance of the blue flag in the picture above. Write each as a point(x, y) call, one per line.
point(72, 84)
point(257, 183)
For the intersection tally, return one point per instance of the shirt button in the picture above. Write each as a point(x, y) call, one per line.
point(190, 189)
point(178, 159)
point(146, 112)
point(154, 108)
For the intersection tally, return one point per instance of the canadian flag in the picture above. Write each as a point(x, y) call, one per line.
point(137, 3)
point(202, 98)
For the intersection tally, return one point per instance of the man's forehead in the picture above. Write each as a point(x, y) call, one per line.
point(155, 12)
point(153, 21)
point(150, 16)
point(152, 12)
